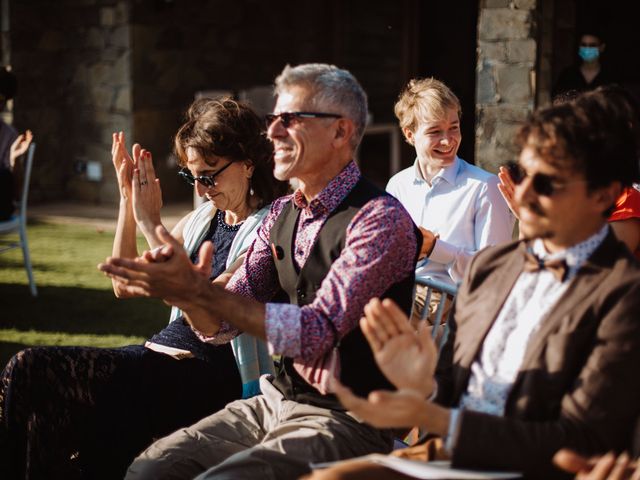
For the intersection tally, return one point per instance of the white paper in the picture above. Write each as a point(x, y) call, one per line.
point(438, 470)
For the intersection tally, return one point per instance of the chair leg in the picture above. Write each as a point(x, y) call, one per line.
point(27, 260)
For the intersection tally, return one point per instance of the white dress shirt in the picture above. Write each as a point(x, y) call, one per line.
point(463, 205)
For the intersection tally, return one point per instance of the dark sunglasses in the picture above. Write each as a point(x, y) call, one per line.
point(545, 185)
point(206, 180)
point(287, 117)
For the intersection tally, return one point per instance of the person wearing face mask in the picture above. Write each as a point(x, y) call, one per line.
point(590, 73)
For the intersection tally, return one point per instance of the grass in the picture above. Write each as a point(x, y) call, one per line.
point(75, 303)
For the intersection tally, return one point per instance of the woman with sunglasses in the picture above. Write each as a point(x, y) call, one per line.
point(74, 412)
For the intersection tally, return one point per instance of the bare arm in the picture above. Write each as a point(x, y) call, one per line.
point(147, 200)
point(19, 147)
point(124, 241)
point(168, 273)
point(136, 202)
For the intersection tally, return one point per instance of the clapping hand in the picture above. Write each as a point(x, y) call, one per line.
point(406, 357)
point(165, 272)
point(19, 146)
point(507, 189)
point(147, 195)
point(123, 164)
point(606, 467)
point(383, 409)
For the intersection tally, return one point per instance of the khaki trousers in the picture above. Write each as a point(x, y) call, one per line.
point(418, 306)
point(265, 437)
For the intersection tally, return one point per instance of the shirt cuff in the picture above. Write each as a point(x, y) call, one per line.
point(224, 335)
point(451, 439)
point(443, 252)
point(282, 328)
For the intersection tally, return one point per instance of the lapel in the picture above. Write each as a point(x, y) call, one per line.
point(587, 280)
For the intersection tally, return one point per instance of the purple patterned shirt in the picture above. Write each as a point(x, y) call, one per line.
point(380, 249)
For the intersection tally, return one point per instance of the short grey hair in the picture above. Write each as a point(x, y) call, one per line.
point(331, 87)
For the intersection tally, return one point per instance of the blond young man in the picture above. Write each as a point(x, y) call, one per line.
point(457, 206)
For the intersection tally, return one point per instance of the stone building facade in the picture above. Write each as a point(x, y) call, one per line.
point(506, 77)
point(87, 68)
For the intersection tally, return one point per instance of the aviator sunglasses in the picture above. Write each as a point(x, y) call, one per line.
point(545, 185)
point(206, 180)
point(287, 117)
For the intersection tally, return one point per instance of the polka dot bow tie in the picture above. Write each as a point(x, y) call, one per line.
point(534, 264)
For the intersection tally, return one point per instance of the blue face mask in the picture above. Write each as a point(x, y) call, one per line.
point(589, 54)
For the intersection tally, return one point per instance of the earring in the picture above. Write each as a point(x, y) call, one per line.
point(251, 192)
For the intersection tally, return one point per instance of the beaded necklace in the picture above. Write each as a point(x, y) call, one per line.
point(224, 225)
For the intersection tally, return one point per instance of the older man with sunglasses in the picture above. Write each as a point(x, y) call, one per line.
point(545, 337)
point(323, 252)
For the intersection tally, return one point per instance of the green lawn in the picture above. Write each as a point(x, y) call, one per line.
point(75, 303)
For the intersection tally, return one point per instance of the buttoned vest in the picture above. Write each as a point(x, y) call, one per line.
point(358, 368)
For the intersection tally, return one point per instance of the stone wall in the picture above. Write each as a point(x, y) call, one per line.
point(505, 92)
point(72, 60)
point(180, 48)
point(90, 67)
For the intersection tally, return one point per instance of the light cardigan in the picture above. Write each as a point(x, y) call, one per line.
point(251, 354)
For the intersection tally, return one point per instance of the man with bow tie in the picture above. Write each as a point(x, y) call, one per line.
point(544, 346)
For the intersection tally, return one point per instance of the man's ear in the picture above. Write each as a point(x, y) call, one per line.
point(344, 131)
point(607, 196)
point(408, 134)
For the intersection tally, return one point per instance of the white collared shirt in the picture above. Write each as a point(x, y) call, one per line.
point(463, 205)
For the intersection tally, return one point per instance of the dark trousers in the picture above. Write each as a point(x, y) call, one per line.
point(6, 194)
point(73, 412)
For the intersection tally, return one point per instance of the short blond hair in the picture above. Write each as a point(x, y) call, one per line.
point(424, 98)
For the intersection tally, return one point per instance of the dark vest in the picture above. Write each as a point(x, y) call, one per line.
point(358, 368)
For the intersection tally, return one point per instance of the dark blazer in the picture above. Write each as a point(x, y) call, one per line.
point(579, 383)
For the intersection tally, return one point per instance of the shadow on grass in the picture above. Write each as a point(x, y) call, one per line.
point(79, 311)
point(18, 263)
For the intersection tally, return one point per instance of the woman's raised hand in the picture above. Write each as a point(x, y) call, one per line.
point(19, 147)
point(147, 195)
point(123, 164)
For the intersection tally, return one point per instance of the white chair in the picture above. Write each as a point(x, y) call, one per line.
point(18, 223)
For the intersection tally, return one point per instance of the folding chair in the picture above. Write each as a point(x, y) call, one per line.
point(439, 330)
point(448, 292)
point(18, 223)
